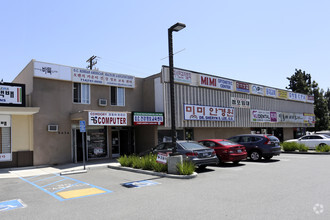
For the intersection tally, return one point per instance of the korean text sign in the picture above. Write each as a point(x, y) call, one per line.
point(208, 113)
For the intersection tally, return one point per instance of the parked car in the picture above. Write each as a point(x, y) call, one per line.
point(312, 141)
point(200, 155)
point(226, 150)
point(259, 145)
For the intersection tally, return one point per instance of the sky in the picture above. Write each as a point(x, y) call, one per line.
point(260, 42)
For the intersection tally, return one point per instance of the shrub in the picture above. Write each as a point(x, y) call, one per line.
point(159, 167)
point(289, 146)
point(148, 161)
point(186, 168)
point(125, 161)
point(323, 148)
point(302, 147)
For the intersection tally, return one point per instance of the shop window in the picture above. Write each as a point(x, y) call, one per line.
point(81, 93)
point(165, 135)
point(5, 147)
point(97, 142)
point(117, 96)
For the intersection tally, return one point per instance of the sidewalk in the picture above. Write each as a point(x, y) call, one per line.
point(305, 152)
point(16, 172)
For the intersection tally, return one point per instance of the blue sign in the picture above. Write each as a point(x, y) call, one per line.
point(11, 204)
point(82, 125)
point(138, 184)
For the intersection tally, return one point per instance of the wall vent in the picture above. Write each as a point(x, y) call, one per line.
point(103, 102)
point(53, 128)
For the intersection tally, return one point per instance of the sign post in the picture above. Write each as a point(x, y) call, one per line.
point(82, 125)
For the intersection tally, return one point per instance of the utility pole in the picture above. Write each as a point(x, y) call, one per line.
point(91, 62)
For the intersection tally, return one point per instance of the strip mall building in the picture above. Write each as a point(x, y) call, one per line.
point(126, 114)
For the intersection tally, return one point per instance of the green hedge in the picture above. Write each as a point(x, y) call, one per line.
point(148, 162)
point(293, 146)
point(323, 148)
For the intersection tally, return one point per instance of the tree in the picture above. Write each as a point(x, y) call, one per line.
point(301, 82)
point(327, 97)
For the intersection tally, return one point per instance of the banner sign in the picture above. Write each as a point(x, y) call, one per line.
point(11, 94)
point(181, 76)
point(309, 118)
point(263, 116)
point(107, 118)
point(270, 92)
point(214, 82)
point(282, 94)
point(208, 113)
point(102, 78)
point(52, 71)
point(297, 96)
point(162, 157)
point(5, 157)
point(148, 118)
point(258, 90)
point(242, 87)
point(310, 99)
point(290, 117)
point(240, 102)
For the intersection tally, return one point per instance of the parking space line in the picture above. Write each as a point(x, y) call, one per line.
point(62, 193)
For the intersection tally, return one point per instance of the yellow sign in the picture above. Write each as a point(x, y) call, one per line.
point(282, 94)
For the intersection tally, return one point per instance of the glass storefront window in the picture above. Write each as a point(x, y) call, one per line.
point(97, 142)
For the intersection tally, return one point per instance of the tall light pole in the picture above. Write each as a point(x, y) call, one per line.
point(176, 27)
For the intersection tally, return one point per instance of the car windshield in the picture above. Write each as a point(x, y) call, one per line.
point(191, 145)
point(327, 136)
point(226, 143)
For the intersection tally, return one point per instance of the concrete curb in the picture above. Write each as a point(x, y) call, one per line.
point(149, 172)
point(308, 152)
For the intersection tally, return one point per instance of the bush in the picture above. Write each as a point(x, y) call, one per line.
point(147, 162)
point(323, 148)
point(289, 146)
point(302, 147)
point(186, 168)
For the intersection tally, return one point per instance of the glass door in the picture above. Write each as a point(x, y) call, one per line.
point(115, 143)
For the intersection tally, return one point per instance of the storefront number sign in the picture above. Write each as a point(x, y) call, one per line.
point(208, 113)
point(148, 118)
point(107, 118)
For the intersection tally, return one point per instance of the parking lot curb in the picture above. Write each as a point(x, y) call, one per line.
point(311, 153)
point(117, 166)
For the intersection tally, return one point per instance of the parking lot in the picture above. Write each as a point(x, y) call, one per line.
point(290, 186)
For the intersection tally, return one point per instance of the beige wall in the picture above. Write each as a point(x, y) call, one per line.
point(219, 133)
point(287, 133)
point(22, 133)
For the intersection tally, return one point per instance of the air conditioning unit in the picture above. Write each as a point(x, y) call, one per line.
point(102, 102)
point(53, 128)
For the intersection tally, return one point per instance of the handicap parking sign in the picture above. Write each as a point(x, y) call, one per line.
point(82, 125)
point(11, 204)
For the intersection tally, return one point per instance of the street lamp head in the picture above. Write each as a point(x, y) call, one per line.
point(177, 27)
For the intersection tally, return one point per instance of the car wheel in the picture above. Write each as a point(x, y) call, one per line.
point(322, 144)
point(220, 162)
point(202, 167)
point(236, 162)
point(255, 155)
point(268, 158)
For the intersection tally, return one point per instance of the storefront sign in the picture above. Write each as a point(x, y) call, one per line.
point(120, 80)
point(258, 90)
point(242, 87)
point(297, 96)
point(240, 102)
point(214, 82)
point(282, 94)
point(12, 94)
point(107, 118)
point(290, 117)
point(270, 92)
point(208, 113)
point(52, 71)
point(148, 118)
point(182, 76)
point(5, 121)
point(309, 118)
point(310, 99)
point(263, 116)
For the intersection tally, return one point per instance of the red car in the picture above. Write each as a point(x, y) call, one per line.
point(226, 150)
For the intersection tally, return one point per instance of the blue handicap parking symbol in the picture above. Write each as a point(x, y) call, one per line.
point(138, 184)
point(11, 204)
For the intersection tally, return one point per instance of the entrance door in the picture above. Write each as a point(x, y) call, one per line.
point(77, 146)
point(115, 143)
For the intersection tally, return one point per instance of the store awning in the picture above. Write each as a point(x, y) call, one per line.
point(19, 110)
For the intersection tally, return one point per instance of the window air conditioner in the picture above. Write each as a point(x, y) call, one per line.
point(53, 128)
point(102, 102)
